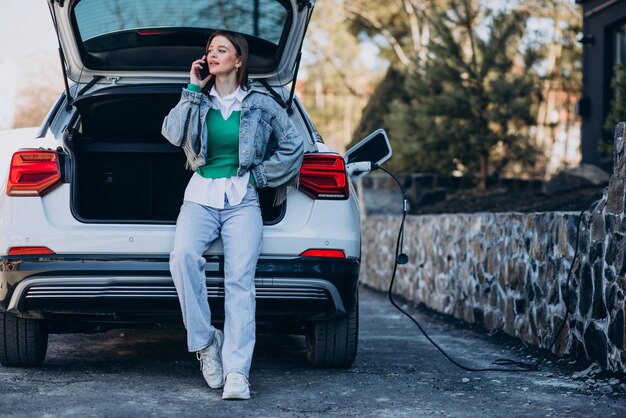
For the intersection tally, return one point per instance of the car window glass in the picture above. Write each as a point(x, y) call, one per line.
point(264, 19)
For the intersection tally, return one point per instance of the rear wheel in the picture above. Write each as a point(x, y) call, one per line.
point(23, 342)
point(333, 343)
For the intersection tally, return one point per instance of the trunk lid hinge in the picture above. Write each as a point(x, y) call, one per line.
point(89, 85)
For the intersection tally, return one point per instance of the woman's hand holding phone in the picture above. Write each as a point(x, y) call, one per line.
point(197, 70)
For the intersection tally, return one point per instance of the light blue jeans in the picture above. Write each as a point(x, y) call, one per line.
point(241, 229)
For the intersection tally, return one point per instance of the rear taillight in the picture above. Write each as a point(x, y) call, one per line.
point(323, 176)
point(33, 173)
point(30, 250)
point(320, 252)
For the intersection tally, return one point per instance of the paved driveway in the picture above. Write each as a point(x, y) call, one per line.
point(397, 373)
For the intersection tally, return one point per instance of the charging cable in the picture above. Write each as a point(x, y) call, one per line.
point(401, 258)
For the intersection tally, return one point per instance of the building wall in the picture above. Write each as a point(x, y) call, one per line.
point(600, 18)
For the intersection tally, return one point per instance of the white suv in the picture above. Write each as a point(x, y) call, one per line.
point(87, 225)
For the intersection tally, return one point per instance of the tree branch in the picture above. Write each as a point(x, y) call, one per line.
point(376, 24)
point(411, 11)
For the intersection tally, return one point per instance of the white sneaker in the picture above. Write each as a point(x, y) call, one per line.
point(211, 361)
point(236, 387)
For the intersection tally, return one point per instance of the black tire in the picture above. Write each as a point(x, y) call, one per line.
point(333, 343)
point(23, 342)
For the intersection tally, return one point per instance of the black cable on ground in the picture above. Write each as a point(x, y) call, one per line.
point(401, 258)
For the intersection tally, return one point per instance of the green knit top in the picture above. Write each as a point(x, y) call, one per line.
point(223, 150)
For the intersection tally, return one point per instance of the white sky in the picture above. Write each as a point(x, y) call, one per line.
point(27, 39)
point(26, 27)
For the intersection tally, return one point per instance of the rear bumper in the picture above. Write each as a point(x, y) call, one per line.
point(301, 289)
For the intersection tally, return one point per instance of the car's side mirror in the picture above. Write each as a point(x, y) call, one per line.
point(371, 151)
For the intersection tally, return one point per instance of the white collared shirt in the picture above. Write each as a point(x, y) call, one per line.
point(214, 192)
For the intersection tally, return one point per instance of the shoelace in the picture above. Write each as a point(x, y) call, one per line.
point(210, 361)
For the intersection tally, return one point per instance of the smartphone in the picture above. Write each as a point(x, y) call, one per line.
point(204, 71)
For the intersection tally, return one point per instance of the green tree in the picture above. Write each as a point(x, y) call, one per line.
point(472, 97)
point(379, 104)
point(401, 30)
point(618, 108)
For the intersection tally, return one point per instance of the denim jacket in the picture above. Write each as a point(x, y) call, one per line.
point(269, 145)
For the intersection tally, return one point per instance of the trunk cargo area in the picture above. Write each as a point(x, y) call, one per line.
point(124, 170)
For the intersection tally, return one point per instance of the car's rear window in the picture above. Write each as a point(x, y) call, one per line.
point(264, 19)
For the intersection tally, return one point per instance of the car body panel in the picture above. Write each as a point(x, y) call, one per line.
point(304, 226)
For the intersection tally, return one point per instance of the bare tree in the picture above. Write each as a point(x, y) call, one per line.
point(37, 89)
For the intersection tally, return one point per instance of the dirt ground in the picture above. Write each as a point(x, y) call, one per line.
point(514, 201)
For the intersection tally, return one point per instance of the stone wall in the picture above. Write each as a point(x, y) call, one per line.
point(508, 271)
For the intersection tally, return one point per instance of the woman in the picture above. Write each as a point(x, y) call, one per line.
point(236, 138)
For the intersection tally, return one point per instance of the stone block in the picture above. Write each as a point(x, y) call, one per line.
point(540, 316)
point(533, 326)
point(598, 230)
point(489, 320)
point(585, 293)
point(611, 297)
point(493, 296)
point(530, 292)
point(609, 275)
point(502, 281)
point(479, 316)
point(554, 297)
point(596, 344)
point(595, 251)
point(610, 221)
point(520, 306)
point(509, 320)
point(615, 194)
point(459, 310)
point(615, 242)
point(492, 262)
point(584, 243)
point(538, 247)
point(563, 337)
point(563, 247)
point(520, 276)
point(599, 307)
point(622, 226)
point(571, 225)
point(579, 327)
point(616, 330)
point(538, 291)
point(468, 314)
point(569, 296)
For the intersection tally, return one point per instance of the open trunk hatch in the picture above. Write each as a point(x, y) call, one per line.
point(158, 39)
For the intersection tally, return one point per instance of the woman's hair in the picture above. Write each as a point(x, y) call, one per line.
point(241, 48)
